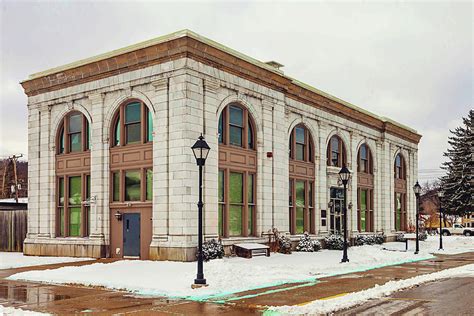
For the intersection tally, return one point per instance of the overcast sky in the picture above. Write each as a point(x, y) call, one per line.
point(410, 61)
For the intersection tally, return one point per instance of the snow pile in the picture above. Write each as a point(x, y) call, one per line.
point(18, 312)
point(227, 275)
point(356, 298)
point(9, 260)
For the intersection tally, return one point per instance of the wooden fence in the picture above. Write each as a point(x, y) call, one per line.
point(12, 229)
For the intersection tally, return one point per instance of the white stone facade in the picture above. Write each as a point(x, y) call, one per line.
point(186, 98)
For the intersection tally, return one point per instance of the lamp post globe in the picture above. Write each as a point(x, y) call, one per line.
point(417, 190)
point(440, 197)
point(200, 150)
point(344, 177)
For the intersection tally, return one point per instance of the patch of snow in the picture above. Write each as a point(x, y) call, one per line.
point(252, 246)
point(18, 312)
point(357, 298)
point(451, 245)
point(9, 260)
point(230, 275)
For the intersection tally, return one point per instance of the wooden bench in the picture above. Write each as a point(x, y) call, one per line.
point(406, 239)
point(251, 249)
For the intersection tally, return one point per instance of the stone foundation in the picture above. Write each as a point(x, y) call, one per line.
point(64, 248)
point(186, 254)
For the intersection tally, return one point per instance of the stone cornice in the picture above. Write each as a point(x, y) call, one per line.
point(190, 45)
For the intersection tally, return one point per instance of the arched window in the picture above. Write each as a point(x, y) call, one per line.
point(365, 163)
point(73, 134)
point(399, 167)
point(301, 145)
point(336, 152)
point(133, 124)
point(73, 176)
point(301, 184)
point(236, 127)
point(365, 190)
point(400, 212)
point(237, 172)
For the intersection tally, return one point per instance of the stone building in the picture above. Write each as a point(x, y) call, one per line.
point(111, 172)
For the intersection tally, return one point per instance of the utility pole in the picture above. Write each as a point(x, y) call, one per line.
point(14, 188)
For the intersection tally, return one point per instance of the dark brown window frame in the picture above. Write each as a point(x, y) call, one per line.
point(309, 220)
point(245, 204)
point(399, 171)
point(369, 212)
point(143, 185)
point(247, 125)
point(342, 157)
point(403, 215)
point(369, 165)
point(85, 191)
point(120, 115)
point(308, 155)
point(64, 133)
point(228, 167)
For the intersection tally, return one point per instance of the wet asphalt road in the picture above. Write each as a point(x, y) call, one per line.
point(453, 296)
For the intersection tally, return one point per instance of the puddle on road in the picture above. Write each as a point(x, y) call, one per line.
point(28, 294)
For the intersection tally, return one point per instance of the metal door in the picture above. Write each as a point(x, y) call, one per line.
point(131, 235)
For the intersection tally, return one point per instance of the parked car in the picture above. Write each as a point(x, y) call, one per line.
point(457, 229)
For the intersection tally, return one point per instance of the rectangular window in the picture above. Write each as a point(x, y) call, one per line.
point(75, 141)
point(133, 123)
point(363, 210)
point(149, 184)
point(236, 125)
point(300, 205)
point(74, 221)
point(61, 205)
point(251, 202)
point(116, 186)
point(132, 186)
point(236, 203)
point(221, 191)
point(335, 152)
point(75, 132)
point(300, 143)
point(398, 211)
point(75, 197)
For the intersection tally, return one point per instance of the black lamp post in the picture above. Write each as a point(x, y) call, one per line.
point(344, 176)
point(200, 151)
point(440, 196)
point(417, 190)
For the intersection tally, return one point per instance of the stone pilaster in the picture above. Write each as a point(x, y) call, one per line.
point(99, 206)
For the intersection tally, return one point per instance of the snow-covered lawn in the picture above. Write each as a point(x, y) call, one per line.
point(10, 260)
point(231, 275)
point(341, 302)
point(18, 312)
point(451, 245)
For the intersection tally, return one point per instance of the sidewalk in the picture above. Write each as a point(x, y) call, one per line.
point(74, 299)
